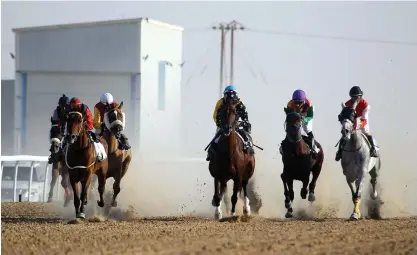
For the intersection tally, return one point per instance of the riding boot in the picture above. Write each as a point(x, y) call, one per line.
point(102, 126)
point(210, 152)
point(93, 137)
point(51, 159)
point(373, 151)
point(339, 152)
point(125, 143)
point(311, 142)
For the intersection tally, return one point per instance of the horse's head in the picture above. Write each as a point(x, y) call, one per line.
point(229, 116)
point(347, 119)
point(116, 119)
point(75, 125)
point(55, 136)
point(293, 123)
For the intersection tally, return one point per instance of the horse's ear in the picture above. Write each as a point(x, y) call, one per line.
point(343, 105)
point(120, 105)
point(52, 120)
point(285, 110)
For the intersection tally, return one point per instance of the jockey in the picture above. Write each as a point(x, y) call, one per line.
point(106, 102)
point(300, 101)
point(59, 117)
point(75, 104)
point(362, 111)
point(230, 93)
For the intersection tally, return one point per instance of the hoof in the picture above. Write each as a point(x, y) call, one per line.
point(311, 197)
point(218, 214)
point(246, 212)
point(81, 215)
point(100, 203)
point(49, 200)
point(288, 215)
point(374, 195)
point(114, 203)
point(303, 194)
point(228, 211)
point(233, 214)
point(354, 216)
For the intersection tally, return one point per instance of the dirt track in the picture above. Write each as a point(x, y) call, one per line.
point(30, 228)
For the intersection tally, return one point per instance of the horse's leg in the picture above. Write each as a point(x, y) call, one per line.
point(85, 183)
point(290, 183)
point(55, 175)
point(357, 196)
point(75, 190)
point(374, 176)
point(288, 205)
point(246, 206)
point(217, 200)
point(64, 183)
point(101, 177)
point(316, 173)
point(116, 185)
point(237, 186)
point(304, 191)
point(227, 202)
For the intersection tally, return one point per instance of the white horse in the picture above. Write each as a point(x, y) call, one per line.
point(356, 159)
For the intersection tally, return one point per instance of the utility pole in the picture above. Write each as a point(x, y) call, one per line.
point(233, 26)
point(222, 28)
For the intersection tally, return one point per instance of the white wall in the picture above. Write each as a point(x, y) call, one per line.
point(160, 129)
point(85, 48)
point(7, 117)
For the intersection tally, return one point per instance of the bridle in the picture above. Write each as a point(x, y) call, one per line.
point(80, 124)
point(297, 129)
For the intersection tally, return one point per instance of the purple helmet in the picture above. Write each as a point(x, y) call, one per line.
point(299, 95)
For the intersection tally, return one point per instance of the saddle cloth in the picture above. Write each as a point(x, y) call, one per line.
point(368, 143)
point(100, 152)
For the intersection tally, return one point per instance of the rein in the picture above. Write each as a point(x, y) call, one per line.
point(350, 151)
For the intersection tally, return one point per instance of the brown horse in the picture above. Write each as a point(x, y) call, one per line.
point(57, 165)
point(119, 160)
point(230, 162)
point(298, 161)
point(81, 161)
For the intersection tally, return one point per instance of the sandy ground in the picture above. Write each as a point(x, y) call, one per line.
point(31, 228)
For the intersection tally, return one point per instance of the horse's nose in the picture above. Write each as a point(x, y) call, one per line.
point(73, 137)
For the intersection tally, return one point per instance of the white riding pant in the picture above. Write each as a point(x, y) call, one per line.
point(308, 127)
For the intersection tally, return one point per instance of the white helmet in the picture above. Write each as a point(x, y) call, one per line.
point(106, 98)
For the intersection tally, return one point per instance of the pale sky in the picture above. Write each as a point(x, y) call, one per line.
point(324, 68)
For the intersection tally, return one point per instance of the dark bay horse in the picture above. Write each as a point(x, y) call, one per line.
point(230, 162)
point(57, 165)
point(81, 161)
point(119, 160)
point(298, 161)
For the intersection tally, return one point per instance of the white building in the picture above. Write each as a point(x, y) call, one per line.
point(137, 60)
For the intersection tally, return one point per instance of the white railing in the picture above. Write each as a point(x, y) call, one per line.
point(25, 161)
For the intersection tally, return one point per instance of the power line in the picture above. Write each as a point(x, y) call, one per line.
point(331, 37)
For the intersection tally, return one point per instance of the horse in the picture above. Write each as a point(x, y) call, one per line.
point(298, 161)
point(230, 162)
point(356, 159)
point(119, 160)
point(82, 161)
point(57, 166)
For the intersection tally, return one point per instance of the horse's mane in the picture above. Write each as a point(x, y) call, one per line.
point(347, 113)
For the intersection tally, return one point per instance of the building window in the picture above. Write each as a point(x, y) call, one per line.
point(161, 85)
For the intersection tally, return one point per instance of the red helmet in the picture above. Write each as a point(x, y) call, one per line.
point(75, 101)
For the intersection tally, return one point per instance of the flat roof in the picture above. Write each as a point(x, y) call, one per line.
point(98, 23)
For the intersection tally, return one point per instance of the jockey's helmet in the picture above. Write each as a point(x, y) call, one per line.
point(106, 98)
point(230, 88)
point(355, 92)
point(64, 100)
point(299, 96)
point(74, 102)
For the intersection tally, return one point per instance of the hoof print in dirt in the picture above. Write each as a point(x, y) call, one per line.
point(75, 221)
